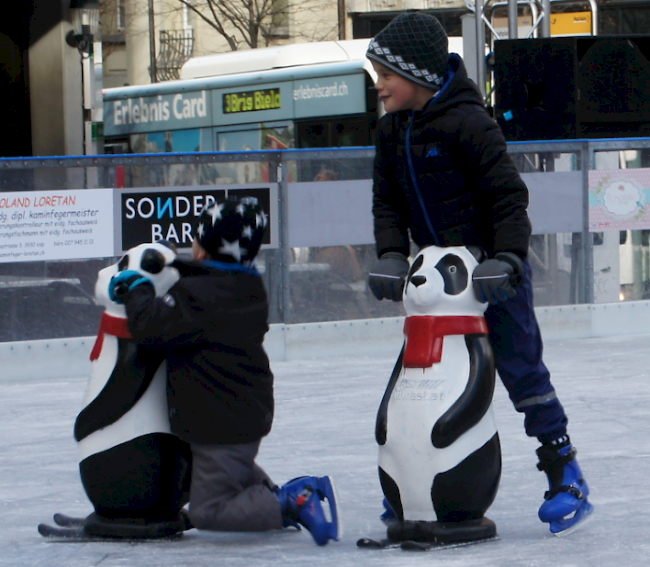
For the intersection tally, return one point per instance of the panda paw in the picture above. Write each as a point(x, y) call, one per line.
point(123, 282)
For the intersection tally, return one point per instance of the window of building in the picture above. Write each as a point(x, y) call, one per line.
point(120, 15)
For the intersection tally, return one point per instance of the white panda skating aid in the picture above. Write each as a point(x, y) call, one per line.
point(135, 472)
point(439, 450)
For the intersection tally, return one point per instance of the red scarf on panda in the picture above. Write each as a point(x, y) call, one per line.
point(424, 335)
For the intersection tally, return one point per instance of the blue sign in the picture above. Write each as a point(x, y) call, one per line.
point(329, 96)
point(157, 113)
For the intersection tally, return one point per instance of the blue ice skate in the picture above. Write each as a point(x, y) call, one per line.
point(300, 500)
point(565, 504)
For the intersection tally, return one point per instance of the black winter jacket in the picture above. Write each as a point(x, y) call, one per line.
point(451, 161)
point(212, 324)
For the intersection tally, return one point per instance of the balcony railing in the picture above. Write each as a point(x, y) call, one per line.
point(176, 47)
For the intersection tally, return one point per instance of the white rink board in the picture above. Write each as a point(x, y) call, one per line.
point(58, 358)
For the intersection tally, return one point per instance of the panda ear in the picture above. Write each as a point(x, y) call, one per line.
point(415, 266)
point(477, 252)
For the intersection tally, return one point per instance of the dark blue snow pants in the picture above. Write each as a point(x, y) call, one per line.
point(517, 345)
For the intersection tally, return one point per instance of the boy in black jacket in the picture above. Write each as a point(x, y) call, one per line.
point(443, 177)
point(212, 324)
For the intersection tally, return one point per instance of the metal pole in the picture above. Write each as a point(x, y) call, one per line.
point(284, 250)
point(86, 78)
point(513, 19)
point(594, 17)
point(342, 19)
point(152, 44)
point(480, 46)
point(588, 162)
point(546, 21)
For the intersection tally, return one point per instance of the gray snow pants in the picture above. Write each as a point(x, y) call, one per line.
point(230, 492)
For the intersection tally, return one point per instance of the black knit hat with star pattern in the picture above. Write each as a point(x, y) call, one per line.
point(414, 45)
point(232, 229)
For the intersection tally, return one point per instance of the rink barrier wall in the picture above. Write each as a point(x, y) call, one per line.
point(70, 358)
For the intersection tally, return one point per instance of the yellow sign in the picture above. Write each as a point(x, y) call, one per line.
point(251, 101)
point(572, 23)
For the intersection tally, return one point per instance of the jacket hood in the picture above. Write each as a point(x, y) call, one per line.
point(457, 89)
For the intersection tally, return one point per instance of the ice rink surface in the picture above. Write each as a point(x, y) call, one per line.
point(324, 424)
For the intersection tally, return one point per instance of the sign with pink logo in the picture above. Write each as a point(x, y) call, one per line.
point(619, 199)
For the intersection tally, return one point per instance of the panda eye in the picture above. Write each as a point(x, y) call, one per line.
point(454, 273)
point(152, 261)
point(123, 264)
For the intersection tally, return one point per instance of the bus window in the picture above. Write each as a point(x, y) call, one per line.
point(313, 134)
point(336, 132)
point(351, 133)
point(167, 141)
point(261, 137)
point(276, 137)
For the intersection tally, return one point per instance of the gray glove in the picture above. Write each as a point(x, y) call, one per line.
point(387, 277)
point(495, 280)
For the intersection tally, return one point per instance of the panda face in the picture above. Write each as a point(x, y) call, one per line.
point(152, 260)
point(439, 282)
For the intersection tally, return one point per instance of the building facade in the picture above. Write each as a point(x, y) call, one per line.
point(186, 28)
point(179, 31)
point(41, 74)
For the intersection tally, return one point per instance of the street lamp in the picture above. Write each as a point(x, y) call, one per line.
point(85, 15)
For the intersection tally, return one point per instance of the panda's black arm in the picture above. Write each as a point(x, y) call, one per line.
point(475, 401)
point(381, 424)
point(133, 371)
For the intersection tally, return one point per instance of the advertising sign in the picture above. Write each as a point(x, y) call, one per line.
point(571, 24)
point(342, 94)
point(619, 199)
point(56, 225)
point(169, 213)
point(562, 25)
point(162, 112)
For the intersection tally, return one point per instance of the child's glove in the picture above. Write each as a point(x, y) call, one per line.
point(124, 282)
point(387, 277)
point(495, 280)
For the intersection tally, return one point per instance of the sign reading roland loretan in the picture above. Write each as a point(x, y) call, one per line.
point(251, 101)
point(169, 213)
point(56, 225)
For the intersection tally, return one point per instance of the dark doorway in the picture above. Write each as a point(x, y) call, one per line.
point(15, 126)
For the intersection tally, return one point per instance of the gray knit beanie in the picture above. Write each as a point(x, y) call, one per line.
point(414, 45)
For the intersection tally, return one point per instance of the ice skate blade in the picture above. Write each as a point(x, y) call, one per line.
point(583, 516)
